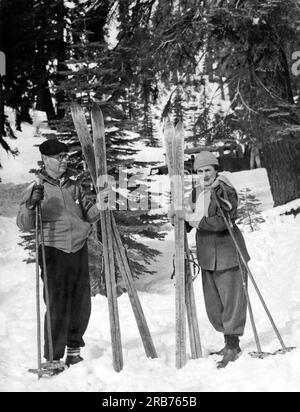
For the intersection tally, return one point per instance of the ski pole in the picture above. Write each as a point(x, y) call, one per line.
point(230, 229)
point(38, 307)
point(48, 315)
point(245, 286)
point(195, 341)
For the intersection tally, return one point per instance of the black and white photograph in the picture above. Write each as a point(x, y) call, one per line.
point(149, 198)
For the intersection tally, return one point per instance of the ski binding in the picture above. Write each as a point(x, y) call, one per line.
point(49, 369)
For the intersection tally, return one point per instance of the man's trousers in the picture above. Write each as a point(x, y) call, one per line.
point(70, 299)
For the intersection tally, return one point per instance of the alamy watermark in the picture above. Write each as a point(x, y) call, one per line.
point(296, 64)
point(2, 64)
point(140, 193)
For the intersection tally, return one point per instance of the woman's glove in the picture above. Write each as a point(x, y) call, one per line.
point(220, 191)
point(192, 219)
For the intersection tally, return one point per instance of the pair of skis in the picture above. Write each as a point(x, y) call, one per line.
point(185, 298)
point(94, 150)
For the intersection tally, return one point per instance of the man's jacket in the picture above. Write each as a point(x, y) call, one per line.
point(215, 248)
point(67, 215)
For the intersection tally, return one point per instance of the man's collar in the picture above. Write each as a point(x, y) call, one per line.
point(62, 180)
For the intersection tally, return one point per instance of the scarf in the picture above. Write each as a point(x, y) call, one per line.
point(201, 208)
point(202, 204)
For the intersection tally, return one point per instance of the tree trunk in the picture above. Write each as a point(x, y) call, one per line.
point(44, 100)
point(282, 161)
point(60, 96)
point(2, 115)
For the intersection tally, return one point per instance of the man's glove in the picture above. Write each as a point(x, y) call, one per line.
point(36, 196)
point(104, 196)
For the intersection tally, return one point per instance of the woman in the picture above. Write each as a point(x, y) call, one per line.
point(222, 272)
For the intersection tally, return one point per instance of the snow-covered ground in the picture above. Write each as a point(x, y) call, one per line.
point(275, 251)
point(16, 170)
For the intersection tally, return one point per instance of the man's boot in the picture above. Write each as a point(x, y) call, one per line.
point(73, 356)
point(232, 351)
point(72, 360)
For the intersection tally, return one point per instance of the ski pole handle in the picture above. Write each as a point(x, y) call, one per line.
point(37, 195)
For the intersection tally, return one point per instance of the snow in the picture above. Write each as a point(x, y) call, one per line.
point(275, 263)
point(16, 170)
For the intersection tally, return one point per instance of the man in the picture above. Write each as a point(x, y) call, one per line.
point(67, 219)
point(224, 295)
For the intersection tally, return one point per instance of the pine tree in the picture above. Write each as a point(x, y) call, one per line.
point(261, 88)
point(88, 70)
point(98, 73)
point(249, 213)
point(32, 39)
point(34, 45)
point(248, 47)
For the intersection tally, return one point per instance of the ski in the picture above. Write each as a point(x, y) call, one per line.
point(132, 293)
point(89, 155)
point(120, 255)
point(85, 139)
point(185, 298)
point(93, 159)
point(174, 158)
point(107, 238)
point(178, 159)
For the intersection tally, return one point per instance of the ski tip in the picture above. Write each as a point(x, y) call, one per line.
point(179, 127)
point(168, 127)
point(75, 106)
point(96, 109)
point(167, 122)
point(97, 118)
point(77, 113)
